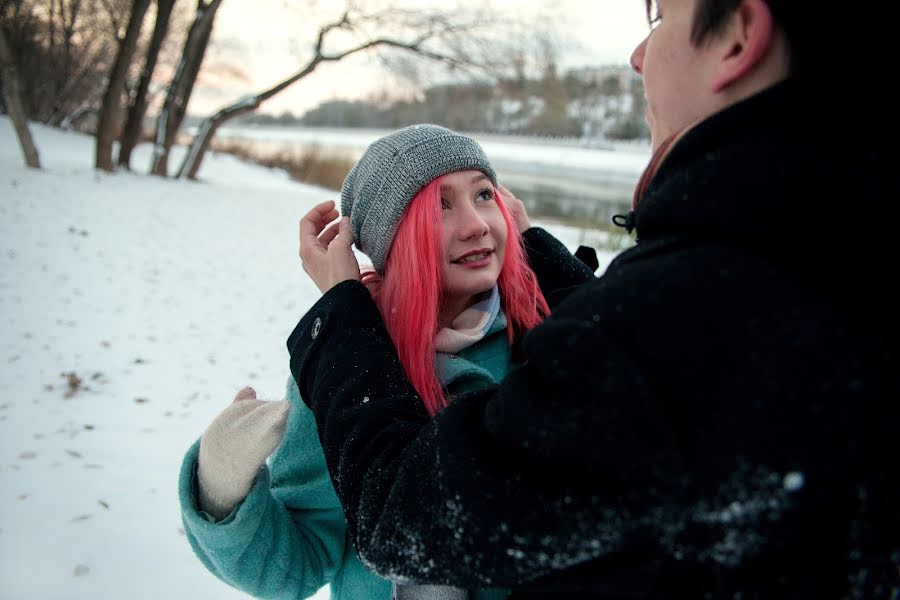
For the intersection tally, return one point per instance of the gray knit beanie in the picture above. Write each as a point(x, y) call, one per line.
point(392, 170)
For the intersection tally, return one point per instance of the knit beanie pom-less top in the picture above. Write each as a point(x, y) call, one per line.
point(391, 172)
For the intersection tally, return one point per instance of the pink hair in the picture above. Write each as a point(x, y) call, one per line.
point(409, 294)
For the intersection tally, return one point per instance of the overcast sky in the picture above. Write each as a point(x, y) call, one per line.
point(257, 43)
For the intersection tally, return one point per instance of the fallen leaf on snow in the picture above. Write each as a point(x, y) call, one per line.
point(73, 382)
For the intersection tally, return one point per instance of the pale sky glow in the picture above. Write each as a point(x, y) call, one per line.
point(257, 43)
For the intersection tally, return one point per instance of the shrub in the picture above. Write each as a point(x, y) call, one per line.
point(309, 164)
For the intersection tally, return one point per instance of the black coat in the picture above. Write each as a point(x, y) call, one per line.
point(717, 414)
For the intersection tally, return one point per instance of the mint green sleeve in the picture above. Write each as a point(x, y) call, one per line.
point(287, 538)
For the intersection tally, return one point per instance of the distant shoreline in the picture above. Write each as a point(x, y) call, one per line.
point(556, 178)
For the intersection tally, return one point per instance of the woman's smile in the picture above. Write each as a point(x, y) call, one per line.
point(475, 259)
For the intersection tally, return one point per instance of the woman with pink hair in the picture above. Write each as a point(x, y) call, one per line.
point(453, 285)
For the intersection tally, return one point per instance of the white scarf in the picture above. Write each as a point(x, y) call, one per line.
point(470, 325)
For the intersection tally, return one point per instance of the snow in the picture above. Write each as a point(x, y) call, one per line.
point(133, 309)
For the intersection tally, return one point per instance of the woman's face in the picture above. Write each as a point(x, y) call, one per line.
point(474, 236)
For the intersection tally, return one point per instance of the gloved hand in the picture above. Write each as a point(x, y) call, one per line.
point(234, 448)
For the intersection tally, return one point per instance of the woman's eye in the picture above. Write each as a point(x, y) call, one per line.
point(654, 15)
point(445, 205)
point(485, 195)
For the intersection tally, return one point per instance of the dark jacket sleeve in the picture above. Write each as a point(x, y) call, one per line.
point(558, 270)
point(481, 495)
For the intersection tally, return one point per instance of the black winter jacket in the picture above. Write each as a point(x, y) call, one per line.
point(715, 416)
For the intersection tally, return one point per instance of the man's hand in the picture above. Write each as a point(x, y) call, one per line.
point(326, 251)
point(517, 208)
point(234, 448)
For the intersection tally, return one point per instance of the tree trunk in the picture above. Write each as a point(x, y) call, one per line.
point(67, 30)
point(13, 97)
point(70, 119)
point(110, 110)
point(194, 158)
point(175, 106)
point(138, 106)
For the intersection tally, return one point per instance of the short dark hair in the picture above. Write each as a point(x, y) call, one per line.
point(709, 17)
point(825, 44)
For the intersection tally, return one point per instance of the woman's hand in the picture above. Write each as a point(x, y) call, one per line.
point(234, 448)
point(326, 251)
point(517, 208)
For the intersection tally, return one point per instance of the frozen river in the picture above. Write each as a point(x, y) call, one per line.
point(565, 178)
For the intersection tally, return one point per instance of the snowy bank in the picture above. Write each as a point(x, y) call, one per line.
point(134, 308)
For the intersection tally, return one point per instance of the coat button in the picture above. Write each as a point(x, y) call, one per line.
point(317, 326)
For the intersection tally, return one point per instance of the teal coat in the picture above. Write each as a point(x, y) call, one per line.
point(287, 538)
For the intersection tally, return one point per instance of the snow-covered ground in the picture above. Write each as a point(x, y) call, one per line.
point(133, 308)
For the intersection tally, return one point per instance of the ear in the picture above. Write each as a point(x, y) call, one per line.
point(748, 35)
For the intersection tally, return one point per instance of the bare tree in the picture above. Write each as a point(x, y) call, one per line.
point(111, 109)
point(170, 117)
point(64, 51)
point(68, 15)
point(137, 106)
point(456, 39)
point(13, 97)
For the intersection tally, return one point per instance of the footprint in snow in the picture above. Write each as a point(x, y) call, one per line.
point(81, 571)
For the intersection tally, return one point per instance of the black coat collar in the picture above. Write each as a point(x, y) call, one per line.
point(774, 171)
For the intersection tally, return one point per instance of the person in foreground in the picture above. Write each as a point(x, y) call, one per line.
point(451, 280)
point(714, 416)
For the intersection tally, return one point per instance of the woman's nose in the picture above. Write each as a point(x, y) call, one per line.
point(637, 57)
point(472, 224)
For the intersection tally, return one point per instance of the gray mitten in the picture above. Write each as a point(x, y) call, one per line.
point(235, 447)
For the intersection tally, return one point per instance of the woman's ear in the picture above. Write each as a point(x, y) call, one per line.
point(744, 42)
